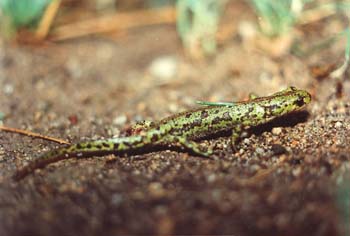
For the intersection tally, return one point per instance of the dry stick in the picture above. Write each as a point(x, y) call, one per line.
point(225, 32)
point(118, 21)
point(46, 20)
point(31, 134)
point(310, 16)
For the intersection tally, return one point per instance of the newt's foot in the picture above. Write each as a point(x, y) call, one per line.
point(191, 145)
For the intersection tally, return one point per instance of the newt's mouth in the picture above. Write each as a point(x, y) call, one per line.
point(303, 100)
point(307, 98)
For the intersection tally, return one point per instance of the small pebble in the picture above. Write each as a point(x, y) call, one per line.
point(74, 68)
point(296, 172)
point(338, 125)
point(8, 89)
point(259, 151)
point(120, 120)
point(164, 68)
point(156, 190)
point(276, 131)
point(116, 199)
point(211, 178)
point(173, 108)
point(246, 141)
point(247, 29)
point(278, 149)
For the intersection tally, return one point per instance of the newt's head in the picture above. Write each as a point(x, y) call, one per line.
point(298, 94)
point(285, 101)
point(297, 97)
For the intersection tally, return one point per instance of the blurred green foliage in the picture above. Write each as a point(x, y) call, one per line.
point(343, 201)
point(277, 17)
point(347, 49)
point(338, 73)
point(197, 24)
point(160, 3)
point(22, 13)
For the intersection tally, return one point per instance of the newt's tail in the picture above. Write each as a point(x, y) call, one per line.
point(82, 150)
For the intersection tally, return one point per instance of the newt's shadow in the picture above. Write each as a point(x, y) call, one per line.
point(288, 120)
point(158, 148)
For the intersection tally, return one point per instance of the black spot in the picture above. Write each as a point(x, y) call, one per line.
point(271, 108)
point(115, 146)
point(197, 122)
point(98, 146)
point(88, 145)
point(275, 107)
point(105, 145)
point(188, 115)
point(128, 144)
point(185, 127)
point(299, 102)
point(171, 130)
point(78, 146)
point(137, 142)
point(216, 120)
point(204, 114)
point(174, 131)
point(226, 116)
point(154, 138)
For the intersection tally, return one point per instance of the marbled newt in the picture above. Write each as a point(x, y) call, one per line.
point(184, 128)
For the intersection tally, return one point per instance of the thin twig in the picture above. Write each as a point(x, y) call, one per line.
point(47, 19)
point(31, 134)
point(115, 22)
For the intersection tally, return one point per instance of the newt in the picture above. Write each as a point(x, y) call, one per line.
point(184, 128)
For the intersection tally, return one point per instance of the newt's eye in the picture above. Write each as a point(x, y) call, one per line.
point(299, 102)
point(291, 89)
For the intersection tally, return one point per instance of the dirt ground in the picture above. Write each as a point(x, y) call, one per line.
point(288, 177)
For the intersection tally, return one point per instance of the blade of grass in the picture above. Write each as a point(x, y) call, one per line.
point(341, 70)
point(32, 134)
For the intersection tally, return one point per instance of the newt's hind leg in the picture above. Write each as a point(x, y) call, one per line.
point(253, 96)
point(236, 134)
point(139, 127)
point(191, 145)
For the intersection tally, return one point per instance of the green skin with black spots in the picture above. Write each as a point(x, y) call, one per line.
point(184, 128)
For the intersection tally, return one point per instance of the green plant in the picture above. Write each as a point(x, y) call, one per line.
point(342, 197)
point(341, 70)
point(277, 17)
point(197, 24)
point(22, 13)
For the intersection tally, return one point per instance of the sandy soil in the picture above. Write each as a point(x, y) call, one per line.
point(285, 178)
